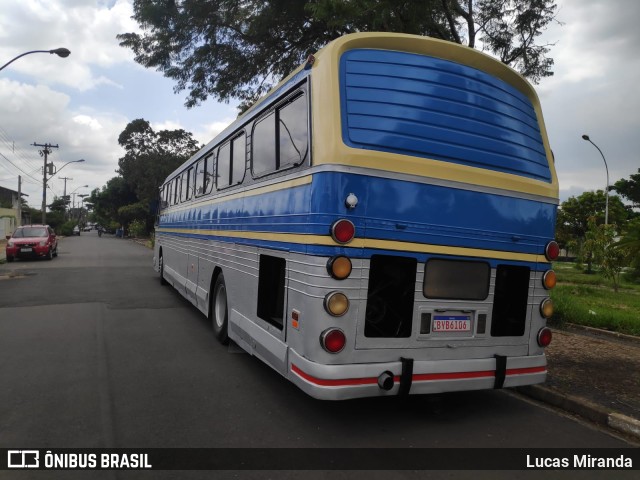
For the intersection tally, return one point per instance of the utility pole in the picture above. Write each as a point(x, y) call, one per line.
point(45, 152)
point(64, 195)
point(19, 201)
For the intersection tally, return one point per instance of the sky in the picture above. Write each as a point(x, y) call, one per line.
point(81, 103)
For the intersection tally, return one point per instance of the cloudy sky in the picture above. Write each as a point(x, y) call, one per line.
point(83, 102)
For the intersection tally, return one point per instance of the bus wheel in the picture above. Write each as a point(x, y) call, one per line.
point(219, 311)
point(161, 264)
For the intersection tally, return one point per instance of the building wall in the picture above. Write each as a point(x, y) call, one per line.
point(8, 221)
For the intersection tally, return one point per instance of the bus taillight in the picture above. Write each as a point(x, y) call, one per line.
point(343, 231)
point(333, 340)
point(339, 267)
point(549, 279)
point(336, 304)
point(546, 308)
point(552, 250)
point(544, 337)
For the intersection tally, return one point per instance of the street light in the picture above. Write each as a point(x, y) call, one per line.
point(44, 187)
point(61, 52)
point(74, 196)
point(606, 192)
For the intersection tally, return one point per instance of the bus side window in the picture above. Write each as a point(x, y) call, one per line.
point(176, 191)
point(198, 185)
point(292, 125)
point(224, 165)
point(263, 158)
point(239, 157)
point(209, 180)
point(185, 193)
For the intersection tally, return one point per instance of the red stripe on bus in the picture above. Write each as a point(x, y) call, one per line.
point(422, 377)
point(333, 382)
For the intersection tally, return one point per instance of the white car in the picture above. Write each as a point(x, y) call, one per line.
point(76, 230)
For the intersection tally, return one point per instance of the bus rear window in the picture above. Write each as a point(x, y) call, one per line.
point(456, 280)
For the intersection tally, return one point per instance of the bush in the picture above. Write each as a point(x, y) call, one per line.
point(138, 229)
point(66, 228)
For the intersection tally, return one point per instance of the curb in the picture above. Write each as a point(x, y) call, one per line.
point(584, 408)
point(601, 332)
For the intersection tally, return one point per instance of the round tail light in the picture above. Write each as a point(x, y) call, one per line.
point(343, 231)
point(546, 308)
point(339, 267)
point(544, 337)
point(549, 279)
point(336, 304)
point(552, 250)
point(333, 340)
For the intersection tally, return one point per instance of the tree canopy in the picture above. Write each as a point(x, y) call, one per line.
point(575, 213)
point(149, 158)
point(629, 189)
point(238, 50)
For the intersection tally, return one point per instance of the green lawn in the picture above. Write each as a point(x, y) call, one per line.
point(590, 300)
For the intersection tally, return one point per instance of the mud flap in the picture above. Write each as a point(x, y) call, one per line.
point(501, 371)
point(406, 377)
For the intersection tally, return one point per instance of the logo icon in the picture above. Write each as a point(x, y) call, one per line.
point(23, 459)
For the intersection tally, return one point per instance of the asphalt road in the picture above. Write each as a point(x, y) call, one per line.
point(95, 353)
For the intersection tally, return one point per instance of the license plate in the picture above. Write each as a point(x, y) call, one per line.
point(26, 250)
point(451, 323)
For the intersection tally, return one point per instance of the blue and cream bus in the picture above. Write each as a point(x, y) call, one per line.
point(381, 223)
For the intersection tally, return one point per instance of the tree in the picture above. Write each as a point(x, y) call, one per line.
point(229, 49)
point(601, 248)
point(629, 189)
point(59, 204)
point(151, 156)
point(106, 202)
point(630, 241)
point(574, 214)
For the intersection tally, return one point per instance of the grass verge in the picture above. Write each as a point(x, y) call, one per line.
point(590, 300)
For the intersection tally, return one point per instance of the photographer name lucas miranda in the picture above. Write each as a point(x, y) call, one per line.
point(580, 461)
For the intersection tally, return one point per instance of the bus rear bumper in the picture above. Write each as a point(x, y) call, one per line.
point(341, 382)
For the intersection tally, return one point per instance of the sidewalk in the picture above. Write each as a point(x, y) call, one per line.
point(594, 374)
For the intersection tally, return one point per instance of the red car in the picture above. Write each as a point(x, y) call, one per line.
point(31, 241)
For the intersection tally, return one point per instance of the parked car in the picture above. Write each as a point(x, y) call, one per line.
point(76, 230)
point(32, 241)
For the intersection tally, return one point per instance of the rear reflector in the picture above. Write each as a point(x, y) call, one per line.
point(343, 231)
point(544, 337)
point(552, 250)
point(333, 340)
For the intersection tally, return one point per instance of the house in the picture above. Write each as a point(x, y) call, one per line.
point(8, 211)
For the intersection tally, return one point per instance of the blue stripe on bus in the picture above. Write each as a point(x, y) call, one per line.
point(354, 253)
point(388, 209)
point(432, 108)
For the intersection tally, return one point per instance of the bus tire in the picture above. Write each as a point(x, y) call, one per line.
point(219, 310)
point(161, 265)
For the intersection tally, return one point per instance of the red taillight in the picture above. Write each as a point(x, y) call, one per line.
point(544, 337)
point(333, 340)
point(552, 250)
point(343, 231)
